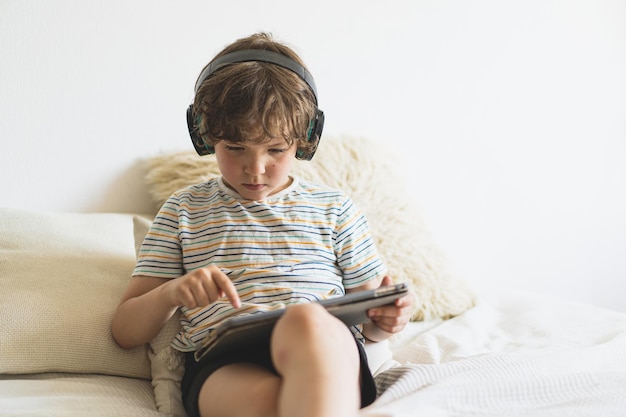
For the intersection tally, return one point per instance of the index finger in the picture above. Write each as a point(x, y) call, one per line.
point(226, 286)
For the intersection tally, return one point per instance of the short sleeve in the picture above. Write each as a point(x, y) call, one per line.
point(160, 254)
point(356, 251)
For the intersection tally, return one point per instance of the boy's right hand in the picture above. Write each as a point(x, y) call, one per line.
point(200, 288)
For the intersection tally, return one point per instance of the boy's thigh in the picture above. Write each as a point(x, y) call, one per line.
point(239, 389)
point(216, 372)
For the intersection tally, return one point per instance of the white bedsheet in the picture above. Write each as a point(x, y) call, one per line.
point(515, 354)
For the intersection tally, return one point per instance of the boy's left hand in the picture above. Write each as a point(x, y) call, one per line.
point(392, 318)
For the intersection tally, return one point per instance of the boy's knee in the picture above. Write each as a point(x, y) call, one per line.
point(309, 332)
point(307, 324)
point(304, 318)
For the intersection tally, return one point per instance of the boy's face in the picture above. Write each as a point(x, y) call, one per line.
point(256, 170)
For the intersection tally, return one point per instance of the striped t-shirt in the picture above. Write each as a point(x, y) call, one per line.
point(305, 243)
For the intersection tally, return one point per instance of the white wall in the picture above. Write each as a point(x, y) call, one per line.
point(512, 114)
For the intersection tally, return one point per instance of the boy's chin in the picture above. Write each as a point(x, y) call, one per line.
point(254, 193)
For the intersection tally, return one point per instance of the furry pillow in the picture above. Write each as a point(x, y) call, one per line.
point(374, 180)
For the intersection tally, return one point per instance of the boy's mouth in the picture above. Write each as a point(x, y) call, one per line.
point(254, 187)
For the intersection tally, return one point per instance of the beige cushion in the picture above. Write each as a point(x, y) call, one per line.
point(61, 278)
point(371, 174)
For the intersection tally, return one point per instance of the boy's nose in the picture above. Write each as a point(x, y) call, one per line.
point(255, 165)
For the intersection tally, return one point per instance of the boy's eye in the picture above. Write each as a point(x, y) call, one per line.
point(233, 147)
point(277, 150)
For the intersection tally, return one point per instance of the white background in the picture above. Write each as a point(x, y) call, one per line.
point(511, 114)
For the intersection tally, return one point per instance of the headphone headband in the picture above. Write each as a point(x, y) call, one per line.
point(259, 55)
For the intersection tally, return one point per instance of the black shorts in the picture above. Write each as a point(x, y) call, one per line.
point(197, 372)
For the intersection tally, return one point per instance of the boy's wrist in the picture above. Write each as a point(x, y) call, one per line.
point(373, 333)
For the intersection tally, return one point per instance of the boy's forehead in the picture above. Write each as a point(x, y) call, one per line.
point(260, 134)
point(262, 139)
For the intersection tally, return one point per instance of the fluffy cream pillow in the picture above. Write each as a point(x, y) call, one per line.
point(61, 278)
point(373, 177)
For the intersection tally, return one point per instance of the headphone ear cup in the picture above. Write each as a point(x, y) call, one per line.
point(198, 143)
point(314, 134)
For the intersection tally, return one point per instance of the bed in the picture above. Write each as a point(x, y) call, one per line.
point(464, 353)
point(512, 354)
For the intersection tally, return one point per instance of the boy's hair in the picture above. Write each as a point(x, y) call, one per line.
point(255, 100)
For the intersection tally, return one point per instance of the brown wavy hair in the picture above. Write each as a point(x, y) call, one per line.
point(254, 100)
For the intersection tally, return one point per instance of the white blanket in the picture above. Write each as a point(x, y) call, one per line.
point(512, 355)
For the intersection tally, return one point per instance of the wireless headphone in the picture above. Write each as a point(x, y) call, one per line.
point(316, 124)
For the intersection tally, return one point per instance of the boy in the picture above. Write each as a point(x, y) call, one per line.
point(258, 239)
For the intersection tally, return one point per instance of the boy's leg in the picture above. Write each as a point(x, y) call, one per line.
point(240, 390)
point(318, 362)
point(317, 357)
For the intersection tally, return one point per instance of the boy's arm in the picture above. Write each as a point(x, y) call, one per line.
point(149, 302)
point(142, 313)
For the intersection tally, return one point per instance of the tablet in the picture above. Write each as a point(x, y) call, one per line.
point(257, 328)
